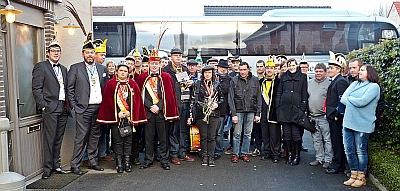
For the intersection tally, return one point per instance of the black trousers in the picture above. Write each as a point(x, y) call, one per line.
point(207, 136)
point(53, 125)
point(122, 145)
point(137, 137)
point(339, 157)
point(291, 131)
point(87, 136)
point(256, 135)
point(155, 128)
point(271, 137)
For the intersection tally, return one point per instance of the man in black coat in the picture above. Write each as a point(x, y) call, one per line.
point(270, 128)
point(335, 118)
point(225, 80)
point(49, 87)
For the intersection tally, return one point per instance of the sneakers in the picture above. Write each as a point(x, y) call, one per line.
point(326, 165)
point(228, 152)
point(245, 158)
point(255, 153)
point(315, 163)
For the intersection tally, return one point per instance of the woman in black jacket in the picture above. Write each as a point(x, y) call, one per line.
point(291, 101)
point(205, 89)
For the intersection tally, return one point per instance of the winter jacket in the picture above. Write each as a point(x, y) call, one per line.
point(244, 95)
point(291, 99)
point(225, 81)
point(201, 97)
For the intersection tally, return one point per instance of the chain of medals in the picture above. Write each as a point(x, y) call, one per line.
point(124, 89)
point(57, 71)
point(93, 73)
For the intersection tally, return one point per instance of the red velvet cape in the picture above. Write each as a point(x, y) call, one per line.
point(108, 112)
point(168, 93)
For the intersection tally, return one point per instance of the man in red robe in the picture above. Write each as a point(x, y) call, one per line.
point(156, 86)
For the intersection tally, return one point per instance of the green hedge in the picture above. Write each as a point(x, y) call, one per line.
point(384, 149)
point(384, 164)
point(385, 56)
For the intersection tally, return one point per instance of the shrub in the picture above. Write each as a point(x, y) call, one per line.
point(384, 164)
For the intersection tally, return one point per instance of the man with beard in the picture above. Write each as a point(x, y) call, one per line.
point(86, 81)
point(179, 130)
point(160, 104)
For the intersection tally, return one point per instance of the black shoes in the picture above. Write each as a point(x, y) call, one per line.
point(331, 171)
point(76, 171)
point(136, 161)
point(165, 166)
point(61, 171)
point(217, 156)
point(275, 160)
point(146, 165)
point(96, 167)
point(46, 175)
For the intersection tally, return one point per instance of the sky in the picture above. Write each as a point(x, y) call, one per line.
point(195, 8)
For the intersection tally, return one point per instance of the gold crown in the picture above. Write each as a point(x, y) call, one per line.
point(102, 47)
point(269, 62)
point(154, 55)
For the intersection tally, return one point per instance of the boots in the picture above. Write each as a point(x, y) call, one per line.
point(128, 167)
point(360, 180)
point(289, 157)
point(297, 147)
point(204, 162)
point(118, 160)
point(352, 179)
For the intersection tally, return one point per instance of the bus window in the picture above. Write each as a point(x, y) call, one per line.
point(147, 34)
point(209, 38)
point(113, 32)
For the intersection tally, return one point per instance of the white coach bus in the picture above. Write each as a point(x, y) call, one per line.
point(290, 32)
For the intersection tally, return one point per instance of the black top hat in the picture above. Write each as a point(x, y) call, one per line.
point(191, 62)
point(212, 60)
point(208, 67)
point(176, 51)
point(223, 63)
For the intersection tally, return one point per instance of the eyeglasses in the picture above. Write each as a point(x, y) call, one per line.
point(55, 51)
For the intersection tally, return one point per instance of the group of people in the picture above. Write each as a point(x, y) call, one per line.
point(163, 98)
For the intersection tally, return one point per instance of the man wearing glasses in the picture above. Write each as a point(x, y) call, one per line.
point(49, 82)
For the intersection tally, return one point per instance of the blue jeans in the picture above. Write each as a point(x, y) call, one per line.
point(356, 149)
point(219, 138)
point(245, 120)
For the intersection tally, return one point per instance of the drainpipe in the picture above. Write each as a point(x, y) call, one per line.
point(8, 180)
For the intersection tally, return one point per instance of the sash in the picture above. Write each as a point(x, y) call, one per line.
point(151, 86)
point(121, 102)
point(266, 86)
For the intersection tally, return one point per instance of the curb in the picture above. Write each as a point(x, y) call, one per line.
point(376, 182)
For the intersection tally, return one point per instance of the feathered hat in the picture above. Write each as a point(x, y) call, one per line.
point(230, 56)
point(332, 60)
point(146, 55)
point(198, 58)
point(53, 44)
point(154, 56)
point(88, 44)
point(341, 60)
point(303, 59)
point(137, 53)
point(130, 56)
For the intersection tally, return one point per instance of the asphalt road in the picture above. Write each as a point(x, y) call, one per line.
point(256, 175)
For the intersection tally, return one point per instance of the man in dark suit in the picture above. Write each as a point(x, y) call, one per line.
point(49, 82)
point(334, 116)
point(87, 80)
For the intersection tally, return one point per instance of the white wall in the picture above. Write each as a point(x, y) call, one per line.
point(72, 45)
